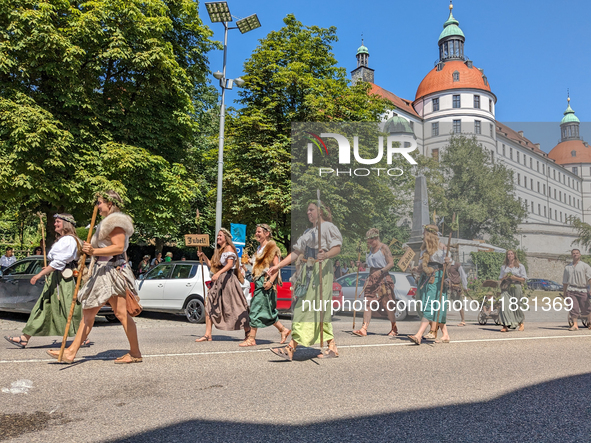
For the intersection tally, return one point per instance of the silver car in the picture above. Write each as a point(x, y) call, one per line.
point(17, 294)
point(404, 289)
point(175, 287)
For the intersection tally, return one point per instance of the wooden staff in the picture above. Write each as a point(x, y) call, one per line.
point(42, 238)
point(201, 259)
point(319, 224)
point(443, 275)
point(357, 281)
point(82, 262)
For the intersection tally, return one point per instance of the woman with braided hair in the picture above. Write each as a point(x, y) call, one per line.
point(433, 256)
point(50, 314)
point(225, 306)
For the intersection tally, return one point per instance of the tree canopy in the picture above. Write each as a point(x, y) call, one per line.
point(101, 94)
point(479, 189)
point(291, 77)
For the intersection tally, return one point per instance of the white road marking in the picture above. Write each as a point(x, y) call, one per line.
point(376, 345)
point(19, 387)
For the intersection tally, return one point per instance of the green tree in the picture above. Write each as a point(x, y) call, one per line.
point(583, 232)
point(292, 76)
point(480, 190)
point(101, 94)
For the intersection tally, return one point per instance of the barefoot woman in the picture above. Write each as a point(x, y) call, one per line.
point(306, 322)
point(263, 306)
point(226, 306)
point(110, 276)
point(379, 287)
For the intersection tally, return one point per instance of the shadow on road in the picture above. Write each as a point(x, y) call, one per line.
point(558, 410)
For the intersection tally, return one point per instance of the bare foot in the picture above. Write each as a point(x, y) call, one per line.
point(284, 334)
point(204, 338)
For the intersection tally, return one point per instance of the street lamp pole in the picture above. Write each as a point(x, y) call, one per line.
point(219, 12)
point(218, 204)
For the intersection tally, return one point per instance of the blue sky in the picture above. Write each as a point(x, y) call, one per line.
point(531, 51)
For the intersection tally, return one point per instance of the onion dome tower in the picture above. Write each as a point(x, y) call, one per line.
point(363, 72)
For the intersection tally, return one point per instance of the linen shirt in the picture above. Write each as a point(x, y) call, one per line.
point(331, 237)
point(577, 275)
point(517, 272)
point(6, 261)
point(62, 252)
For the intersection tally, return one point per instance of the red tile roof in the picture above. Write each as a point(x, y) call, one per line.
point(435, 81)
point(512, 135)
point(400, 103)
point(562, 152)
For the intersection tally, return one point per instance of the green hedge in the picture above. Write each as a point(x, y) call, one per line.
point(489, 263)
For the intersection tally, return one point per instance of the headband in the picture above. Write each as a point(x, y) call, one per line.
point(109, 198)
point(431, 230)
point(67, 218)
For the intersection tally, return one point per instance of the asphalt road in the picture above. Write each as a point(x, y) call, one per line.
point(530, 386)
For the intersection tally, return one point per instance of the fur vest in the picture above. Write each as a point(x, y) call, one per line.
point(100, 239)
point(265, 261)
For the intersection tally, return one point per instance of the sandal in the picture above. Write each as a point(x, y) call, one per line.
point(248, 342)
point(204, 338)
point(393, 332)
point(329, 353)
point(284, 352)
point(462, 323)
point(284, 334)
point(121, 360)
point(573, 328)
point(55, 354)
point(521, 327)
point(505, 329)
point(414, 339)
point(20, 343)
point(431, 335)
point(85, 344)
point(446, 340)
point(358, 332)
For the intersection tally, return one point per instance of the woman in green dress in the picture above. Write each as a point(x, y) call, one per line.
point(50, 314)
point(512, 276)
point(432, 299)
point(306, 325)
point(263, 306)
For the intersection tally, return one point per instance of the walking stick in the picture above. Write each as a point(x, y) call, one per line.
point(200, 258)
point(357, 282)
point(443, 275)
point(319, 223)
point(78, 280)
point(42, 238)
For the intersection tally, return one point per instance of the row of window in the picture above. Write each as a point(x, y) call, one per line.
point(561, 196)
point(563, 178)
point(457, 102)
point(558, 215)
point(457, 128)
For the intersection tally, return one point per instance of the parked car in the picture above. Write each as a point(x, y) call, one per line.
point(405, 288)
point(543, 284)
point(17, 294)
point(175, 287)
point(284, 292)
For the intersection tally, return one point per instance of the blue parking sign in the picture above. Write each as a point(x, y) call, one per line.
point(238, 232)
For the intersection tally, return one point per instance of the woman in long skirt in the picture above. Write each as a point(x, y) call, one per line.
point(263, 306)
point(50, 314)
point(429, 288)
point(513, 275)
point(379, 286)
point(225, 306)
point(110, 279)
point(306, 325)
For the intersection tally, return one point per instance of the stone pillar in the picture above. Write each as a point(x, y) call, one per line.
point(420, 215)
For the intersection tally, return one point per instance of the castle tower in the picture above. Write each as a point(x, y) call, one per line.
point(363, 72)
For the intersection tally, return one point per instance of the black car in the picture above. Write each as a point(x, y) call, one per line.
point(17, 294)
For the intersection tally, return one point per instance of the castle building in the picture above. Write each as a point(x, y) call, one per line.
point(456, 97)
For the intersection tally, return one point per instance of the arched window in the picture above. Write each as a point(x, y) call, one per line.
point(456, 76)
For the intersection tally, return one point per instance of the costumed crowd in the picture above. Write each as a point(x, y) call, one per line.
point(110, 280)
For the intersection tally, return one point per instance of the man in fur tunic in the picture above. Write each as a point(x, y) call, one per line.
point(263, 306)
